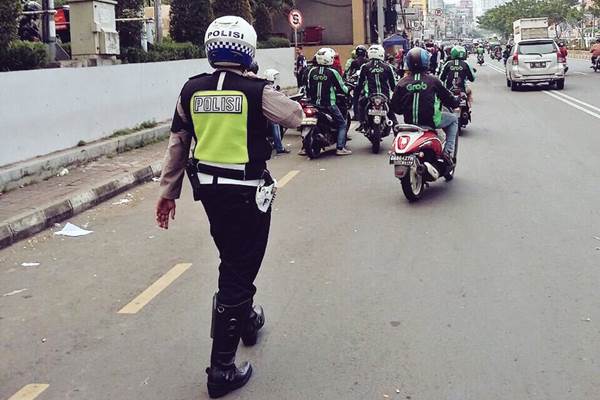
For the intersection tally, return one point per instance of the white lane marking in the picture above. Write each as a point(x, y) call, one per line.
point(577, 101)
point(579, 73)
point(585, 110)
point(497, 69)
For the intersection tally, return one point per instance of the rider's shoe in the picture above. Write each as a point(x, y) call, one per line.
point(343, 152)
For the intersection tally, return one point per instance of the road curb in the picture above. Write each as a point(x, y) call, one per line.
point(40, 168)
point(30, 223)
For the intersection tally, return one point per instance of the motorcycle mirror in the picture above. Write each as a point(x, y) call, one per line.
point(474, 69)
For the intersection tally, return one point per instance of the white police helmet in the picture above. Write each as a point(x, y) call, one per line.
point(325, 56)
point(230, 42)
point(376, 52)
point(271, 74)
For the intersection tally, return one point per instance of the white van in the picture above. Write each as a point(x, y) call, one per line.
point(535, 61)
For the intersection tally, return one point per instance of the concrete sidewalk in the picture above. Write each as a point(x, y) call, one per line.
point(30, 209)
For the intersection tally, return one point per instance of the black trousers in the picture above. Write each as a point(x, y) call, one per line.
point(240, 231)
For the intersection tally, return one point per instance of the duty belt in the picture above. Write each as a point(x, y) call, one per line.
point(248, 173)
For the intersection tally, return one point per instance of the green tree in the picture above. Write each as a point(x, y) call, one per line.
point(130, 32)
point(240, 8)
point(9, 12)
point(189, 20)
point(264, 22)
point(500, 19)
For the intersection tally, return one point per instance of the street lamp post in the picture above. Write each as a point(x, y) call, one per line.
point(158, 20)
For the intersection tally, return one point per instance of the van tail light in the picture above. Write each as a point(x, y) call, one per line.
point(515, 59)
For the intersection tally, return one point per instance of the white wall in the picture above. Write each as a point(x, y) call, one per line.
point(43, 111)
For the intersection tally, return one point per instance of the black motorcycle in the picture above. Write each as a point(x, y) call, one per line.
point(463, 110)
point(322, 133)
point(378, 125)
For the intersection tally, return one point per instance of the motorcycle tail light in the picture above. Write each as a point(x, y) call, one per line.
point(377, 101)
point(309, 112)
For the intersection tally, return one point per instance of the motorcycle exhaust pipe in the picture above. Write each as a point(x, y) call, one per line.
point(389, 122)
point(432, 171)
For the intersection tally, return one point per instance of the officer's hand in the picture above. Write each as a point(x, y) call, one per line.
point(164, 209)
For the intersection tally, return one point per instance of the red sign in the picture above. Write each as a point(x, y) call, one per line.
point(295, 19)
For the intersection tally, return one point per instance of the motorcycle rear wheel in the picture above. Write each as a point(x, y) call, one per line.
point(375, 139)
point(311, 146)
point(413, 185)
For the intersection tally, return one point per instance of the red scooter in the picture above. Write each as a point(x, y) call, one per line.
point(416, 155)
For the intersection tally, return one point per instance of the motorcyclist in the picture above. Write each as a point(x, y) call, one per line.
point(562, 50)
point(480, 52)
point(457, 71)
point(433, 62)
point(418, 96)
point(28, 28)
point(349, 62)
point(361, 58)
point(324, 85)
point(595, 50)
point(506, 53)
point(376, 77)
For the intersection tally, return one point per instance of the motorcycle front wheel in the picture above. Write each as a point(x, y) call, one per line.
point(311, 145)
point(413, 185)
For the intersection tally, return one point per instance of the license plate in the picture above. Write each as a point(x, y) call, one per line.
point(538, 65)
point(406, 161)
point(309, 121)
point(463, 103)
point(377, 112)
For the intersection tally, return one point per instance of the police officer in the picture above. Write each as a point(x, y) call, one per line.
point(376, 77)
point(226, 113)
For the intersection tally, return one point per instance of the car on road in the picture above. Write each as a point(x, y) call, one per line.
point(535, 61)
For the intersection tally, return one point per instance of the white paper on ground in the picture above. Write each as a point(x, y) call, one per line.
point(72, 230)
point(14, 292)
point(122, 201)
point(30, 264)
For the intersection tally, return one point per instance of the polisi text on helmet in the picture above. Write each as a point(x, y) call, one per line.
point(225, 34)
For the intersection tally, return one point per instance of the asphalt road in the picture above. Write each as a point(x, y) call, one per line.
point(488, 288)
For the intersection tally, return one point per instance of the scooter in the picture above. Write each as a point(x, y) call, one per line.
point(416, 155)
point(378, 125)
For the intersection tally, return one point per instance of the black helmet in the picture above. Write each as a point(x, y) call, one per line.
point(253, 67)
point(361, 51)
point(417, 59)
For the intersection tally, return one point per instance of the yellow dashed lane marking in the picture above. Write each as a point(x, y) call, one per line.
point(154, 290)
point(286, 178)
point(29, 392)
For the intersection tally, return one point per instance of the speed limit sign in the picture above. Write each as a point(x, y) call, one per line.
point(295, 19)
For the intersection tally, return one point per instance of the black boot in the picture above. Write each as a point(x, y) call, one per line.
point(255, 322)
point(228, 323)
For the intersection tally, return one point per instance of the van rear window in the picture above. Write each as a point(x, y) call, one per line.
point(537, 48)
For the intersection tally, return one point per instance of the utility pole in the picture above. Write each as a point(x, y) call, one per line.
point(380, 21)
point(158, 20)
point(49, 27)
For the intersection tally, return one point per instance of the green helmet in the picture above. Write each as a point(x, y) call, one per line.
point(458, 53)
